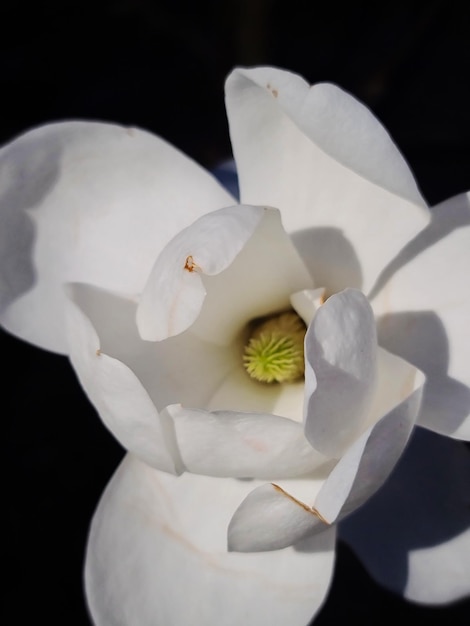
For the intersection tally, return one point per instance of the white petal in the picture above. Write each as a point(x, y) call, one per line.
point(261, 268)
point(368, 462)
point(275, 516)
point(307, 302)
point(157, 555)
point(239, 392)
point(88, 202)
point(414, 535)
point(423, 305)
point(149, 375)
point(242, 445)
point(340, 372)
point(118, 395)
point(324, 160)
point(270, 518)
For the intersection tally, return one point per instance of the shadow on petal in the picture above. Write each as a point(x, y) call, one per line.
point(24, 183)
point(445, 218)
point(329, 257)
point(424, 503)
point(421, 339)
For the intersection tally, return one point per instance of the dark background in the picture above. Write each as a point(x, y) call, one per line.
point(161, 66)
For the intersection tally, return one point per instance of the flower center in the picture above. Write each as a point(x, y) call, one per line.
point(275, 350)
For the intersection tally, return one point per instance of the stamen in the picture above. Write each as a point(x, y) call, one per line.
point(275, 350)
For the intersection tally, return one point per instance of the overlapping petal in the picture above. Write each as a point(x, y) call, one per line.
point(157, 554)
point(340, 372)
point(272, 517)
point(118, 395)
point(422, 301)
point(88, 202)
point(238, 261)
point(242, 445)
point(330, 167)
point(420, 545)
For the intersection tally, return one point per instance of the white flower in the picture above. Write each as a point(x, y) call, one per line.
point(225, 511)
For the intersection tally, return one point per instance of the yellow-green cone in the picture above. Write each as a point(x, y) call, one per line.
point(275, 350)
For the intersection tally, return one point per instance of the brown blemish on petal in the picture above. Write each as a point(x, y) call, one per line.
point(130, 132)
point(309, 509)
point(190, 265)
point(98, 352)
point(272, 90)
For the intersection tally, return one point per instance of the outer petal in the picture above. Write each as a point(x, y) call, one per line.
point(240, 257)
point(420, 544)
point(340, 372)
point(324, 160)
point(422, 302)
point(242, 445)
point(272, 517)
point(88, 202)
point(157, 555)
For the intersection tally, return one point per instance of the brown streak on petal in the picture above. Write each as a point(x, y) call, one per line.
point(309, 509)
point(98, 352)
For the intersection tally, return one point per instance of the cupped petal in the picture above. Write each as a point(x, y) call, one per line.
point(422, 301)
point(420, 545)
point(326, 162)
point(274, 516)
point(368, 462)
point(157, 555)
point(237, 261)
point(88, 202)
point(242, 445)
point(239, 392)
point(119, 397)
point(340, 372)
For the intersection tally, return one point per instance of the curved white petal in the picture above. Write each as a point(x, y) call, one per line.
point(330, 167)
point(270, 518)
point(239, 392)
point(422, 301)
point(307, 302)
point(369, 461)
point(118, 395)
point(238, 261)
point(157, 554)
point(88, 202)
point(275, 516)
point(420, 543)
point(242, 445)
point(340, 372)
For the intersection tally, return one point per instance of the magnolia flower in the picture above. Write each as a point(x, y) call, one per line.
point(264, 363)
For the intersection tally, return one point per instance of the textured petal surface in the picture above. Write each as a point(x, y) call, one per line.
point(422, 302)
point(238, 261)
point(340, 372)
point(157, 554)
point(88, 202)
point(242, 445)
point(330, 167)
point(421, 521)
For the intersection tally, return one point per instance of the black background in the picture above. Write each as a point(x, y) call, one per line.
point(161, 66)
